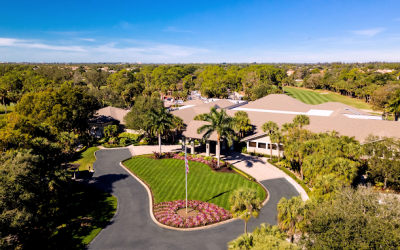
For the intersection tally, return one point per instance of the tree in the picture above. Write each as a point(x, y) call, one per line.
point(301, 121)
point(383, 165)
point(137, 118)
point(111, 130)
point(325, 187)
point(178, 125)
point(270, 127)
point(245, 204)
point(161, 121)
point(242, 122)
point(67, 142)
point(97, 78)
point(277, 137)
point(355, 219)
point(289, 215)
point(394, 105)
point(263, 237)
point(221, 123)
point(67, 109)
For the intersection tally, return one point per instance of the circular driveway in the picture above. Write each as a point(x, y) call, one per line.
point(132, 227)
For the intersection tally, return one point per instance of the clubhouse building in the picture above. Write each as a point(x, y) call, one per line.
point(281, 109)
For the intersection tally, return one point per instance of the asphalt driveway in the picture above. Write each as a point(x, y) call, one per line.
point(132, 227)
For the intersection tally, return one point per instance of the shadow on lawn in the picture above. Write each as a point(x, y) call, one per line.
point(218, 195)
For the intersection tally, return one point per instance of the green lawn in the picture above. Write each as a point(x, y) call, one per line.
point(84, 202)
point(167, 180)
point(315, 97)
point(86, 158)
point(9, 109)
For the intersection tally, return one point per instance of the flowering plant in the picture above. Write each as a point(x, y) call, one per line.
point(211, 162)
point(165, 212)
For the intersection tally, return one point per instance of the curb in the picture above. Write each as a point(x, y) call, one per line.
point(151, 205)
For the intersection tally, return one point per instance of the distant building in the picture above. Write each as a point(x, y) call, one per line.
point(290, 72)
point(384, 71)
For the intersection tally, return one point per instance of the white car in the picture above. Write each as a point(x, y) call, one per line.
point(180, 101)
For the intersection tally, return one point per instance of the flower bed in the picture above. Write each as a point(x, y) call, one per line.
point(165, 213)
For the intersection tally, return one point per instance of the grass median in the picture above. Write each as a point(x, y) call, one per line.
point(166, 179)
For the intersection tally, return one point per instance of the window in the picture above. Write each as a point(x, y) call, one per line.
point(274, 146)
point(269, 145)
point(262, 145)
point(281, 147)
point(252, 144)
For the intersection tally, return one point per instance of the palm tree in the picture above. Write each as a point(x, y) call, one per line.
point(242, 122)
point(394, 106)
point(177, 125)
point(301, 120)
point(111, 130)
point(221, 123)
point(161, 121)
point(289, 215)
point(277, 137)
point(270, 127)
point(245, 204)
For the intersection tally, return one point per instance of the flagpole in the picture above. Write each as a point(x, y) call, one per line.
point(186, 179)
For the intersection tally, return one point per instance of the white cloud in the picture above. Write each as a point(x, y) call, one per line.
point(397, 19)
point(174, 29)
point(368, 32)
point(11, 42)
point(129, 51)
point(87, 39)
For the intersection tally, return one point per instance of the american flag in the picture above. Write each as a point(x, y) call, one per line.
point(186, 163)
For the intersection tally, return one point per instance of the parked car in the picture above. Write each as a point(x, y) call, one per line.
point(180, 101)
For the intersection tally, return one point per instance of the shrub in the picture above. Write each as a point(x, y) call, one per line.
point(157, 155)
point(131, 137)
point(169, 155)
point(208, 158)
point(123, 141)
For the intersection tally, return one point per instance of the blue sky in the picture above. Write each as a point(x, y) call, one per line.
point(200, 31)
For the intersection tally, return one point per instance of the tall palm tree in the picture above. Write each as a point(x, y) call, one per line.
point(221, 123)
point(245, 204)
point(161, 121)
point(277, 137)
point(178, 124)
point(242, 122)
point(289, 215)
point(270, 127)
point(301, 121)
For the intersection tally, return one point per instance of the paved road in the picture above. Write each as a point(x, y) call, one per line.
point(132, 227)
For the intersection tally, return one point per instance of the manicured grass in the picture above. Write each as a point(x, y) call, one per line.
point(9, 110)
point(88, 203)
point(315, 97)
point(86, 158)
point(167, 180)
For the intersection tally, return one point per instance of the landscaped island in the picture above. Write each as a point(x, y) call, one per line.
point(166, 178)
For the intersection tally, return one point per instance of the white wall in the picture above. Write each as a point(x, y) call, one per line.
point(264, 150)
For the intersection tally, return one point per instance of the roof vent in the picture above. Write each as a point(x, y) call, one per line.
point(355, 112)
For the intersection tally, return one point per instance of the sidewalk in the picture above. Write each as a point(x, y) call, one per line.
point(259, 168)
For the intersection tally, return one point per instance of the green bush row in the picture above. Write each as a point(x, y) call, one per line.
point(294, 177)
point(245, 175)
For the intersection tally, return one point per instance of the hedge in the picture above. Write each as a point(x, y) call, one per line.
point(294, 177)
point(245, 175)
